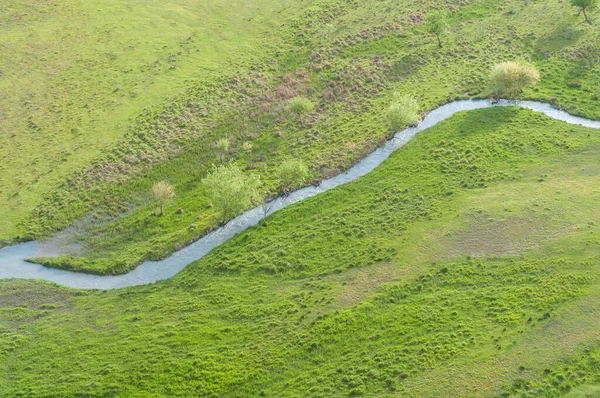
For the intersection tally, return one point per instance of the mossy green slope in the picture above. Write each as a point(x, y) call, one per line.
point(465, 265)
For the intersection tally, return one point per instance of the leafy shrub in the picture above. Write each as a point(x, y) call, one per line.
point(292, 173)
point(403, 112)
point(508, 79)
point(301, 107)
point(230, 190)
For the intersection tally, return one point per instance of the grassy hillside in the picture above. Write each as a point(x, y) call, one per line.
point(230, 74)
point(466, 265)
point(74, 72)
point(74, 75)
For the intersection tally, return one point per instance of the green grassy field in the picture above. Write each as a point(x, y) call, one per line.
point(77, 76)
point(232, 78)
point(466, 265)
point(74, 73)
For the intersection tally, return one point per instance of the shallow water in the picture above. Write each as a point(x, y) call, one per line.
point(12, 258)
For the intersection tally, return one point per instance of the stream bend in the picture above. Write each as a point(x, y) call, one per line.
point(13, 262)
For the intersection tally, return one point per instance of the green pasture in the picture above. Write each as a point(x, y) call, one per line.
point(465, 265)
point(348, 58)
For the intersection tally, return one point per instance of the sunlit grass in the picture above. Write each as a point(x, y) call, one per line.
point(376, 287)
point(351, 81)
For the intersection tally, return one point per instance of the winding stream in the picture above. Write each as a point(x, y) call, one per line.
point(12, 258)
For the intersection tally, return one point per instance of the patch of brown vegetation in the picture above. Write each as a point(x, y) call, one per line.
point(327, 172)
point(416, 18)
point(365, 281)
point(489, 236)
point(291, 85)
point(32, 295)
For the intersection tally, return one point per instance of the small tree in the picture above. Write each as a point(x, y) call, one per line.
point(221, 147)
point(292, 173)
point(163, 192)
point(508, 79)
point(301, 107)
point(230, 190)
point(437, 24)
point(403, 112)
point(585, 6)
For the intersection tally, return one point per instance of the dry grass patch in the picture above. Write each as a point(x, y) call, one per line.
point(487, 235)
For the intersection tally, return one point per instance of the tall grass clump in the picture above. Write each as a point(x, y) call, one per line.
point(221, 147)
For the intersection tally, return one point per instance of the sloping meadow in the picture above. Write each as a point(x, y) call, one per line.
point(348, 59)
point(363, 290)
